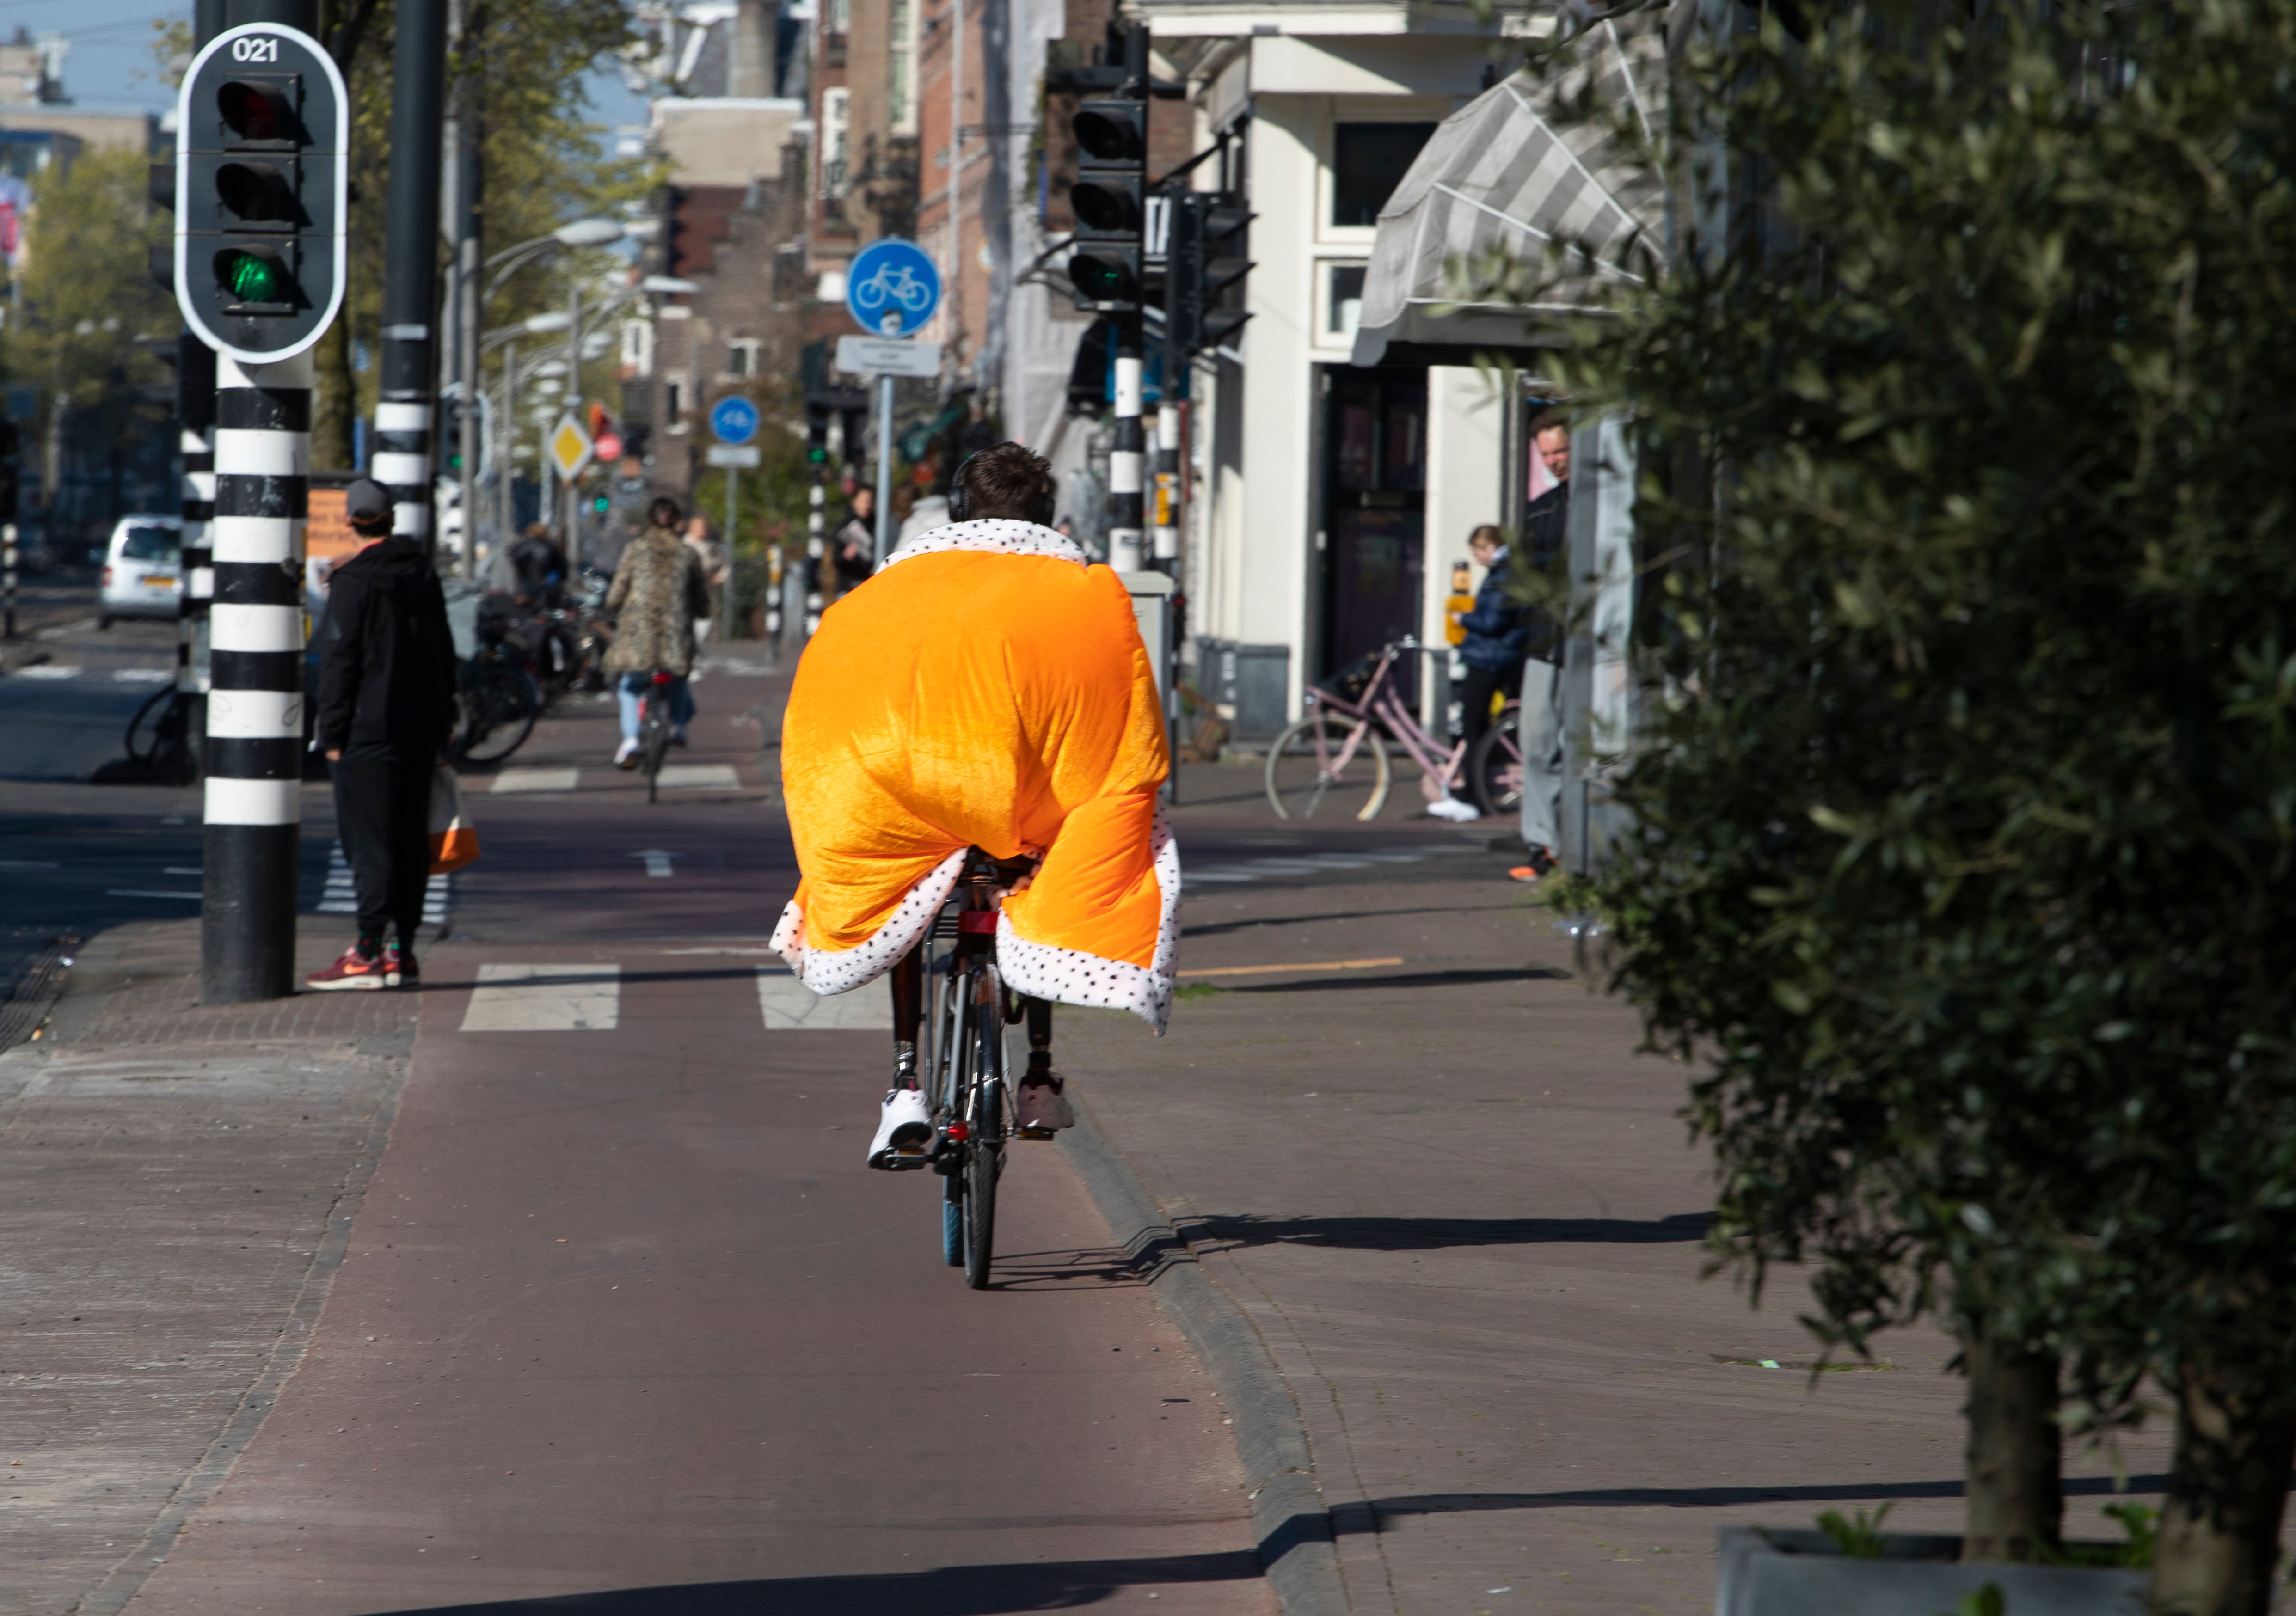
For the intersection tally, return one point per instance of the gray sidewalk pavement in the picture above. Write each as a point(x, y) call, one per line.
point(1459, 1212)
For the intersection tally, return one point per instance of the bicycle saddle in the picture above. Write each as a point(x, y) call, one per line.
point(1005, 871)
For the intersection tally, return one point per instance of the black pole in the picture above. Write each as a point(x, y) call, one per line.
point(410, 268)
point(1127, 456)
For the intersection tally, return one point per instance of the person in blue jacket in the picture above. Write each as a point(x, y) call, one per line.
point(1499, 635)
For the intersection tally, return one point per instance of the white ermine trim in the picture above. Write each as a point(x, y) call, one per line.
point(995, 535)
point(1070, 976)
point(842, 970)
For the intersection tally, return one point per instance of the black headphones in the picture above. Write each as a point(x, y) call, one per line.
point(960, 503)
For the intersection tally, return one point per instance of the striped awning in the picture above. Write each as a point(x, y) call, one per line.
point(1534, 161)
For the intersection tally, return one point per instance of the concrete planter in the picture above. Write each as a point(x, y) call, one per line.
point(1776, 1572)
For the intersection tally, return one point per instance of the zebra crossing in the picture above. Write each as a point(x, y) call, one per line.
point(512, 996)
point(342, 896)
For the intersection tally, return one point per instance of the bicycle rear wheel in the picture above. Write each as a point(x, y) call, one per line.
point(1302, 783)
point(1494, 768)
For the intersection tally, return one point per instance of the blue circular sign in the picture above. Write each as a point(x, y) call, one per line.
point(734, 420)
point(892, 288)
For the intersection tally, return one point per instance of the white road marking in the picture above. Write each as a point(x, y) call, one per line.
point(546, 998)
point(789, 1006)
point(341, 894)
point(141, 676)
point(34, 864)
point(185, 869)
point(698, 776)
point(49, 670)
point(536, 780)
point(139, 892)
point(657, 862)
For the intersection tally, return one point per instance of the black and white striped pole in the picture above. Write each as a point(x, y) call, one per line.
point(1165, 547)
point(195, 387)
point(1126, 456)
point(254, 698)
point(410, 270)
point(261, 191)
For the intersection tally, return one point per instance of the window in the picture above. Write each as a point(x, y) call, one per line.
point(741, 358)
point(901, 55)
point(673, 394)
point(1368, 161)
point(1342, 300)
point(637, 347)
point(151, 544)
point(840, 17)
point(836, 126)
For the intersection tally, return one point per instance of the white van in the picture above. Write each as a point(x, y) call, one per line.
point(143, 570)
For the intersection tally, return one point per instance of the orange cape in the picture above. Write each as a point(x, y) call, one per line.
point(987, 688)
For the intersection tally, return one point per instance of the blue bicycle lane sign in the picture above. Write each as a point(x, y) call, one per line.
point(892, 287)
point(734, 420)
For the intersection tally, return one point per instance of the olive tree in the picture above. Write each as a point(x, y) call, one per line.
point(1964, 852)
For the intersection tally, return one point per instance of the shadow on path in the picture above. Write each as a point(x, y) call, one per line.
point(966, 1590)
point(1426, 1234)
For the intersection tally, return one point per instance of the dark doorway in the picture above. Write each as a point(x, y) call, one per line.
point(1374, 502)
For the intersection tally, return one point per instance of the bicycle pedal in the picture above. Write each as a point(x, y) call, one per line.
point(1036, 1133)
point(906, 1161)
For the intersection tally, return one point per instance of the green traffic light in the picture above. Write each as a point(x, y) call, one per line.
point(251, 277)
point(601, 504)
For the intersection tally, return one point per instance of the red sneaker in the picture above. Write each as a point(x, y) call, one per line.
point(354, 970)
point(400, 969)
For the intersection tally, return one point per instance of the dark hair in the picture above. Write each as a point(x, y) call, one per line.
point(663, 512)
point(1489, 532)
point(1007, 481)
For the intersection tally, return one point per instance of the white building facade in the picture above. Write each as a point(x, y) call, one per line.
point(1328, 502)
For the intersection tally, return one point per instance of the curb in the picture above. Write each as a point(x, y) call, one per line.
point(1298, 1551)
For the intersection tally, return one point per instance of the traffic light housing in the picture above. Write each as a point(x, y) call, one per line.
point(1109, 199)
point(1209, 260)
point(262, 123)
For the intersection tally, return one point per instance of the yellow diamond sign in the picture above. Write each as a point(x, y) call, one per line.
point(570, 448)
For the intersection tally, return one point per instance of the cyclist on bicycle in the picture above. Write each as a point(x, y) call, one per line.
point(658, 591)
point(987, 689)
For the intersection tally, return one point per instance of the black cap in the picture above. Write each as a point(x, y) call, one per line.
point(367, 501)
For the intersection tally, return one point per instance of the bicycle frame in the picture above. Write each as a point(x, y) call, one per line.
point(1382, 706)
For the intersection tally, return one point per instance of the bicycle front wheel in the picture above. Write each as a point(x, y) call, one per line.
point(984, 1152)
point(1306, 779)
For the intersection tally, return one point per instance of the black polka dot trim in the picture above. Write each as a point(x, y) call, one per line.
point(995, 536)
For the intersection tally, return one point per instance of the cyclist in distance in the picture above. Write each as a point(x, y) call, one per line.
point(658, 591)
point(987, 688)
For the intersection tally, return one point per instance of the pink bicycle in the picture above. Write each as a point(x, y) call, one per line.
point(1333, 761)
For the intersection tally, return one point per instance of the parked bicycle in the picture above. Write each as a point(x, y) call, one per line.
point(1334, 762)
point(497, 701)
point(964, 1063)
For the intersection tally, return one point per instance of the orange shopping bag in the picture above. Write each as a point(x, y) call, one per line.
point(454, 839)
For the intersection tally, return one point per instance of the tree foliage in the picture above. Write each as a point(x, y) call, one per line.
point(1964, 845)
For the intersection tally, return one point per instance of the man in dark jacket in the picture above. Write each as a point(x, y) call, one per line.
point(386, 708)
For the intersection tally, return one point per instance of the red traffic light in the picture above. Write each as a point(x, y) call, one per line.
point(253, 111)
point(1111, 134)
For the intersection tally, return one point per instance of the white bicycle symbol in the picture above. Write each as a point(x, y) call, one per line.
point(893, 284)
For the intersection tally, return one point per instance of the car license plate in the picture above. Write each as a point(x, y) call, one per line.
point(159, 580)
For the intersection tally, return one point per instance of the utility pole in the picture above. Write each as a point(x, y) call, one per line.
point(468, 229)
point(572, 397)
point(410, 271)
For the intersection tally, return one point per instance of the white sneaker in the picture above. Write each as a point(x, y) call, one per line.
point(903, 1130)
point(626, 755)
point(1454, 811)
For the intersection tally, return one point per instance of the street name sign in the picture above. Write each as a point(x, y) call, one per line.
point(742, 454)
point(880, 357)
point(892, 287)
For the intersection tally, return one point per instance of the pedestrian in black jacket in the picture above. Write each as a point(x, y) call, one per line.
point(386, 708)
point(1499, 635)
